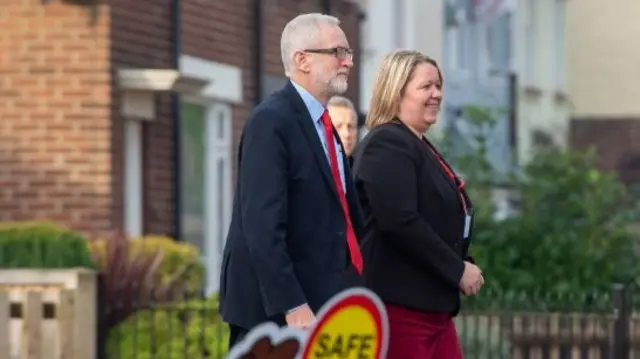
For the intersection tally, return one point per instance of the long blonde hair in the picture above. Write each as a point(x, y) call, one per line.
point(391, 79)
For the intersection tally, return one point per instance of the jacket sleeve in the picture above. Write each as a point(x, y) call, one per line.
point(389, 177)
point(263, 196)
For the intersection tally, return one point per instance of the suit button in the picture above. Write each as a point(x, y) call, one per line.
point(340, 234)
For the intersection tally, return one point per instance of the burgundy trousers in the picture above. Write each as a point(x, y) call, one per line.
point(420, 335)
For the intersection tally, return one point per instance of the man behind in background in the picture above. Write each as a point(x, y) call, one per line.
point(345, 119)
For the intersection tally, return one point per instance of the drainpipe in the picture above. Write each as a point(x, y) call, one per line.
point(176, 50)
point(258, 52)
point(513, 117)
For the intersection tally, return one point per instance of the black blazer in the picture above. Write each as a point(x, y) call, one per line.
point(286, 244)
point(413, 246)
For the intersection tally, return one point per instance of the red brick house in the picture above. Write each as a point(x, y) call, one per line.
point(126, 114)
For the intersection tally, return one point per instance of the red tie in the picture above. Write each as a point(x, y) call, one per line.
point(352, 242)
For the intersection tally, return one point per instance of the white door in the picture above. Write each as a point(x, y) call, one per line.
point(206, 181)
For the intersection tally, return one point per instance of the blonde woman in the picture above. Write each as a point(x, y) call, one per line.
point(417, 213)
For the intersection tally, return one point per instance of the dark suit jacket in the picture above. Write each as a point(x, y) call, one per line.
point(287, 239)
point(413, 245)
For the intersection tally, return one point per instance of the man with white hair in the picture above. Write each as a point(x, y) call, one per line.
point(292, 242)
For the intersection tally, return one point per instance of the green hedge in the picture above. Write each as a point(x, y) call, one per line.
point(42, 245)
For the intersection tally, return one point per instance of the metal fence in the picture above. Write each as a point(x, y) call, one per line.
point(599, 325)
point(138, 322)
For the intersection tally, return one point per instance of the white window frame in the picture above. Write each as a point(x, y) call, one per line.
point(216, 150)
point(133, 186)
point(225, 89)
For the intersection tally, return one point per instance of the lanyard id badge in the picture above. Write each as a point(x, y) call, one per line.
point(468, 224)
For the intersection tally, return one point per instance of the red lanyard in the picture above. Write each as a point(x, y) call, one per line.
point(457, 180)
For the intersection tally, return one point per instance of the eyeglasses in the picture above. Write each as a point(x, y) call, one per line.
point(341, 53)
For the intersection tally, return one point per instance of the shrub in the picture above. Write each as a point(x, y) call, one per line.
point(180, 267)
point(137, 274)
point(126, 279)
point(191, 330)
point(571, 232)
point(42, 245)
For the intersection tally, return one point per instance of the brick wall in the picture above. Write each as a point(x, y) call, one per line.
point(55, 159)
point(61, 134)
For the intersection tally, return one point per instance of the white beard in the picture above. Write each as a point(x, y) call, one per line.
point(333, 86)
point(338, 86)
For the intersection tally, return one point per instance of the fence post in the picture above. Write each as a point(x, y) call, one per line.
point(101, 330)
point(622, 313)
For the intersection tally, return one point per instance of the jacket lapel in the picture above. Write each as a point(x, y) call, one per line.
point(439, 174)
point(311, 135)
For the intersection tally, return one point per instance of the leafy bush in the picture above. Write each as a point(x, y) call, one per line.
point(178, 263)
point(42, 245)
point(570, 231)
point(191, 330)
point(137, 274)
point(180, 267)
point(126, 279)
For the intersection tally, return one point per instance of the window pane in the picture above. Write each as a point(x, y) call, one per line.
point(499, 42)
point(193, 149)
